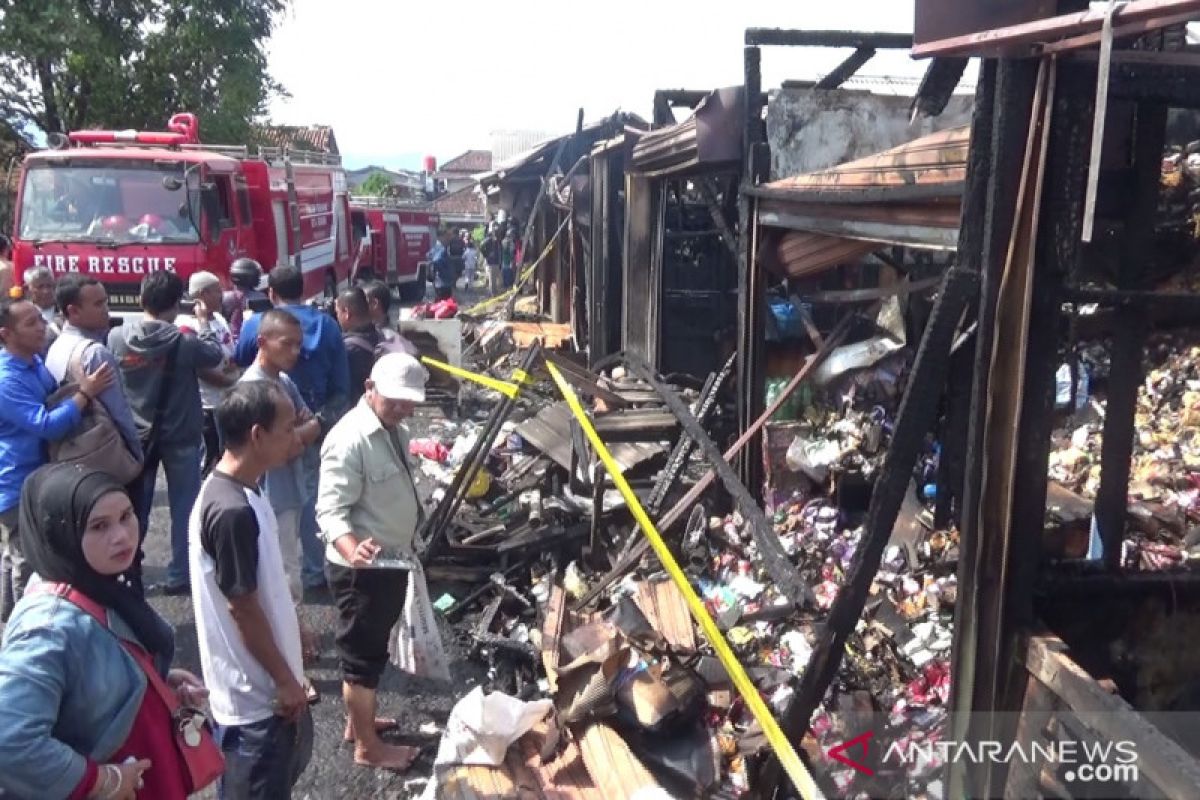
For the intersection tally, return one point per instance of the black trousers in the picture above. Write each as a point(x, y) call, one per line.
point(369, 603)
point(212, 443)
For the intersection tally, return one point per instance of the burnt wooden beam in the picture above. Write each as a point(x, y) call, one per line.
point(918, 410)
point(952, 462)
point(1129, 341)
point(775, 561)
point(845, 70)
point(751, 296)
point(684, 505)
point(1160, 301)
point(994, 585)
point(728, 237)
point(938, 85)
point(1007, 88)
point(798, 38)
point(1169, 84)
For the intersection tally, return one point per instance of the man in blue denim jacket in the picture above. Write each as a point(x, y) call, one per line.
point(26, 424)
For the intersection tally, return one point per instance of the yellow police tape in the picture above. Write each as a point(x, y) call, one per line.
point(503, 387)
point(783, 748)
point(491, 301)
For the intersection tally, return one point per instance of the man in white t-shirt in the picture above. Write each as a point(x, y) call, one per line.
point(245, 617)
point(205, 289)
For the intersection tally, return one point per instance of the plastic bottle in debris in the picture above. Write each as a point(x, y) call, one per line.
point(1062, 388)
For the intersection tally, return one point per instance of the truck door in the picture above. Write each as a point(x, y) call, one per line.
point(221, 222)
point(245, 238)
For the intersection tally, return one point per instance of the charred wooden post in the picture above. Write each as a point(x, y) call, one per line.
point(845, 70)
point(752, 308)
point(1129, 339)
point(856, 39)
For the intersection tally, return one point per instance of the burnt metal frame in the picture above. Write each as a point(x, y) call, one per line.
point(992, 612)
point(433, 532)
point(774, 559)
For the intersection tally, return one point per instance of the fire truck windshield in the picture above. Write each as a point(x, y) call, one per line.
point(114, 202)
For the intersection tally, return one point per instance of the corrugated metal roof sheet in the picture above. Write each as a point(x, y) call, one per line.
point(937, 161)
point(711, 135)
point(319, 138)
point(908, 195)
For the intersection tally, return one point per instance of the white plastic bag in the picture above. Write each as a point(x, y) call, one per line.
point(481, 728)
point(416, 644)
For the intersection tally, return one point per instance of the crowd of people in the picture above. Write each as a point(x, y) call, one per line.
point(456, 255)
point(279, 430)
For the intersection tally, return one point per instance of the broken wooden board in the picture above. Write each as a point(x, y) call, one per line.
point(483, 783)
point(667, 612)
point(552, 630)
point(563, 778)
point(612, 765)
point(550, 432)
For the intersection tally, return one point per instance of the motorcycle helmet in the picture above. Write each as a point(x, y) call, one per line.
point(245, 273)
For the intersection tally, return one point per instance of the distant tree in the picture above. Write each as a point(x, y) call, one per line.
point(71, 64)
point(376, 185)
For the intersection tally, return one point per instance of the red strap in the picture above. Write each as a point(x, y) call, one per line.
point(96, 611)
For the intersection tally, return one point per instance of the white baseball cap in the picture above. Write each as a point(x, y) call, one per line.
point(200, 281)
point(399, 376)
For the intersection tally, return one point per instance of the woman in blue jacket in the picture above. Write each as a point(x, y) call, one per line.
point(78, 720)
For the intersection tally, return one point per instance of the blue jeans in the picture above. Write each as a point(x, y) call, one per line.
point(263, 760)
point(181, 463)
point(312, 549)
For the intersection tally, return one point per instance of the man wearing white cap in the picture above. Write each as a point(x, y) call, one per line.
point(205, 290)
point(368, 509)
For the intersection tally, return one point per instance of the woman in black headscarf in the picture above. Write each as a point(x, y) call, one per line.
point(80, 720)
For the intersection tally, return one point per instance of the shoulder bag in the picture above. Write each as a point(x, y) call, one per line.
point(96, 442)
point(202, 760)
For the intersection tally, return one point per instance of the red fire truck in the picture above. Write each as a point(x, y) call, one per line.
point(121, 204)
point(394, 238)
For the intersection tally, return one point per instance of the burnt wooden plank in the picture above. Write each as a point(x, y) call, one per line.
point(1168, 766)
point(525, 780)
point(667, 611)
point(553, 628)
point(614, 769)
point(564, 777)
point(1008, 88)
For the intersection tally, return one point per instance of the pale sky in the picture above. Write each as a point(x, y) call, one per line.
point(398, 79)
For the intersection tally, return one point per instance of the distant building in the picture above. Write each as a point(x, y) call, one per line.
point(464, 207)
point(506, 144)
point(404, 183)
point(460, 171)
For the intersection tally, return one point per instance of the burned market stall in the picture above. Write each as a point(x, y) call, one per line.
point(1077, 495)
point(544, 197)
point(680, 267)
